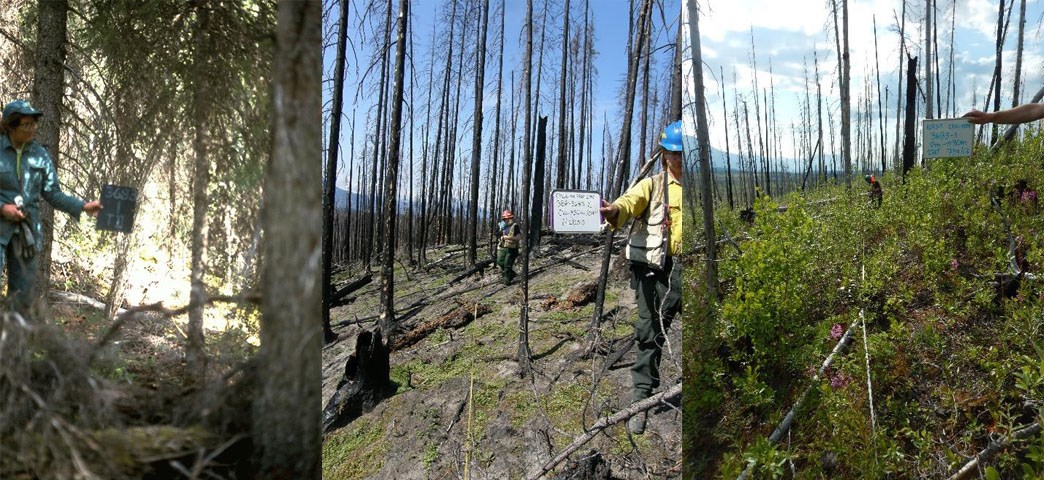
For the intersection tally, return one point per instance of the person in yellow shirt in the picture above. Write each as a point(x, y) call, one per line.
point(655, 237)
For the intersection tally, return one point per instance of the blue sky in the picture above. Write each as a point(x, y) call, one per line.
point(610, 18)
point(788, 33)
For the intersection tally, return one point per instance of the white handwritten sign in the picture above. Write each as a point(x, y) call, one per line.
point(947, 138)
point(575, 211)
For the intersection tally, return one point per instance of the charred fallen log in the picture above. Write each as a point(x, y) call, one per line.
point(456, 318)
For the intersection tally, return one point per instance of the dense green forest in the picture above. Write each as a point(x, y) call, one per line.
point(935, 297)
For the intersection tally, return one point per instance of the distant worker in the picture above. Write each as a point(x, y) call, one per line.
point(27, 176)
point(1021, 114)
point(654, 239)
point(876, 193)
point(507, 249)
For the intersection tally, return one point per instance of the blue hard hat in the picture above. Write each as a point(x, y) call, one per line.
point(671, 138)
point(21, 106)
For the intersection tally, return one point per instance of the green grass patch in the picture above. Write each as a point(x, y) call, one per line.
point(355, 452)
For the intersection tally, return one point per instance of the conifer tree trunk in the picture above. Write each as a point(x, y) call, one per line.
point(911, 116)
point(195, 355)
point(48, 87)
point(286, 412)
point(929, 12)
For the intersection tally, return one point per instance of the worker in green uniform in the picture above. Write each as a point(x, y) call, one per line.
point(654, 205)
point(507, 249)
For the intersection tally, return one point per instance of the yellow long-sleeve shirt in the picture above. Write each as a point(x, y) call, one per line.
point(637, 198)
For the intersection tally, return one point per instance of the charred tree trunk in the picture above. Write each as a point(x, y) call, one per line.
point(704, 151)
point(623, 153)
point(525, 355)
point(1018, 55)
point(476, 142)
point(911, 116)
point(387, 323)
point(535, 216)
point(332, 147)
point(560, 180)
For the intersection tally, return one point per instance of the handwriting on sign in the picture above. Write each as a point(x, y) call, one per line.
point(947, 138)
point(118, 205)
point(574, 211)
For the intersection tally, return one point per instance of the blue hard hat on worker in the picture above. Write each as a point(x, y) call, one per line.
point(671, 138)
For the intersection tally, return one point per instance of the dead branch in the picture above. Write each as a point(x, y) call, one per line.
point(479, 267)
point(622, 415)
point(130, 313)
point(992, 449)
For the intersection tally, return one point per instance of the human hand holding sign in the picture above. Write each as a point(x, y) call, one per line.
point(92, 207)
point(12, 213)
point(609, 211)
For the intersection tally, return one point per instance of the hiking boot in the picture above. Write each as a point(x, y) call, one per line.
point(637, 424)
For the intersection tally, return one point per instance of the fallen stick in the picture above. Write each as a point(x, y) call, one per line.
point(784, 426)
point(622, 415)
point(992, 449)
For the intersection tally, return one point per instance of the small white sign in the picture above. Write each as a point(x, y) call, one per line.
point(952, 137)
point(575, 211)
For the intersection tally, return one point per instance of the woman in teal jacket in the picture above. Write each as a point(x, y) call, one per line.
point(27, 174)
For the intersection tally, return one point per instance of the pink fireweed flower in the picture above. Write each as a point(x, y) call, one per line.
point(838, 380)
point(954, 264)
point(1029, 195)
point(836, 331)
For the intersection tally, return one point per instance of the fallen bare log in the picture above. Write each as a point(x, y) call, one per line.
point(479, 268)
point(577, 296)
point(351, 287)
point(76, 298)
point(992, 449)
point(455, 318)
point(622, 415)
point(784, 426)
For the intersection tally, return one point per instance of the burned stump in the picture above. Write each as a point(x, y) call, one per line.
point(590, 467)
point(365, 383)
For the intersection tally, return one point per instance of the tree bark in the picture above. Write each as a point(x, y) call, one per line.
point(286, 414)
point(387, 323)
point(195, 355)
point(911, 115)
point(48, 85)
point(703, 138)
point(525, 355)
point(476, 142)
point(332, 147)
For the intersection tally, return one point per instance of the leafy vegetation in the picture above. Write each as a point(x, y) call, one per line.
point(953, 361)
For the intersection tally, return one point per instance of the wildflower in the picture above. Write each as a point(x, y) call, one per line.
point(1029, 196)
point(954, 264)
point(836, 331)
point(838, 379)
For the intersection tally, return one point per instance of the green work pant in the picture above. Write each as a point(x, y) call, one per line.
point(506, 261)
point(657, 292)
point(21, 276)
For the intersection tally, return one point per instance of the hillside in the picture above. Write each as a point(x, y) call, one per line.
point(430, 427)
point(938, 329)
